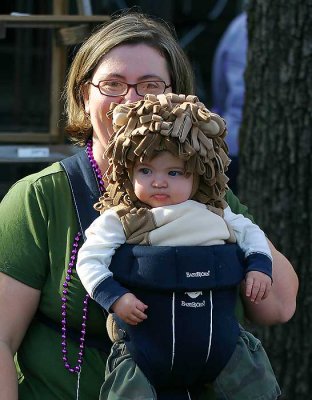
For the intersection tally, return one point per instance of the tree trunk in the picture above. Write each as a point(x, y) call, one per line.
point(276, 166)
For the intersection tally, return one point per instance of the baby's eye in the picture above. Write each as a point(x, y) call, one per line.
point(145, 171)
point(175, 173)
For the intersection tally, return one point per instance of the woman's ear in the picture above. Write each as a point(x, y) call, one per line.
point(85, 96)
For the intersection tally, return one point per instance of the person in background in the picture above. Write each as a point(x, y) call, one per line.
point(228, 86)
point(47, 319)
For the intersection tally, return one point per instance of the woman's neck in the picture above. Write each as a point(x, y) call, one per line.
point(98, 152)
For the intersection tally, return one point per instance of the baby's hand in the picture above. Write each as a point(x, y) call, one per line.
point(258, 286)
point(130, 309)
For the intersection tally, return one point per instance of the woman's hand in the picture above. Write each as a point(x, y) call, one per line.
point(130, 309)
point(280, 305)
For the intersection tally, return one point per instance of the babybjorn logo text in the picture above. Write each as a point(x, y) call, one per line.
point(197, 274)
point(193, 304)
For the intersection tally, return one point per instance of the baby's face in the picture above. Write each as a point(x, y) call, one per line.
point(161, 181)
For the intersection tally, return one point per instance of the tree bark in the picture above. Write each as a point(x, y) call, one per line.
point(276, 166)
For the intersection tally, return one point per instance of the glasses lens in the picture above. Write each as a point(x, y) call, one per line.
point(152, 87)
point(113, 88)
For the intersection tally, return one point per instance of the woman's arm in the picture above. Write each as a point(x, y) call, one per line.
point(280, 305)
point(18, 304)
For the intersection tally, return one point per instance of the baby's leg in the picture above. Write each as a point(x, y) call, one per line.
point(248, 374)
point(123, 378)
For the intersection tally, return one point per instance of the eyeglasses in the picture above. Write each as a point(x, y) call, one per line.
point(117, 88)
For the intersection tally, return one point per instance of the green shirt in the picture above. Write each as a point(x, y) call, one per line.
point(37, 229)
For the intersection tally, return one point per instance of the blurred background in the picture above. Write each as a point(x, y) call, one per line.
point(37, 42)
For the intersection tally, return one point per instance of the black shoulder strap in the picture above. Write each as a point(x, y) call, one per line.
point(84, 187)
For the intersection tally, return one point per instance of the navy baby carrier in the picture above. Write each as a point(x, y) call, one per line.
point(191, 330)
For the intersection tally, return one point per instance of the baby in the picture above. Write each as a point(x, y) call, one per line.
point(166, 192)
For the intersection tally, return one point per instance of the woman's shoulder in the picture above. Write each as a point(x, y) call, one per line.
point(49, 177)
point(53, 171)
point(33, 189)
point(236, 206)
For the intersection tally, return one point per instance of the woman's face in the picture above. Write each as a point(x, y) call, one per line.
point(124, 63)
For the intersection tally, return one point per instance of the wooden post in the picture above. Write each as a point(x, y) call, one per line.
point(58, 69)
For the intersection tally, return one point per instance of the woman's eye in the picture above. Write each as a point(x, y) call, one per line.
point(113, 84)
point(152, 85)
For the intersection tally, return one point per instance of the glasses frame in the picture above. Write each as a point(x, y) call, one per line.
point(129, 85)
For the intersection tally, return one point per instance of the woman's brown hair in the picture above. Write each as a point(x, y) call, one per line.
point(129, 28)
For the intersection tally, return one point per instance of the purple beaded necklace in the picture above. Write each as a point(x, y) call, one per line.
point(95, 167)
point(77, 368)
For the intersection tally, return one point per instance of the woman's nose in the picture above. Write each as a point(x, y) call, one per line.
point(131, 96)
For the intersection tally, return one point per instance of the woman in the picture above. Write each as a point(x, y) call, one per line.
point(45, 314)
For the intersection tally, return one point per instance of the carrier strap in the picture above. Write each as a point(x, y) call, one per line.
point(85, 193)
point(84, 187)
